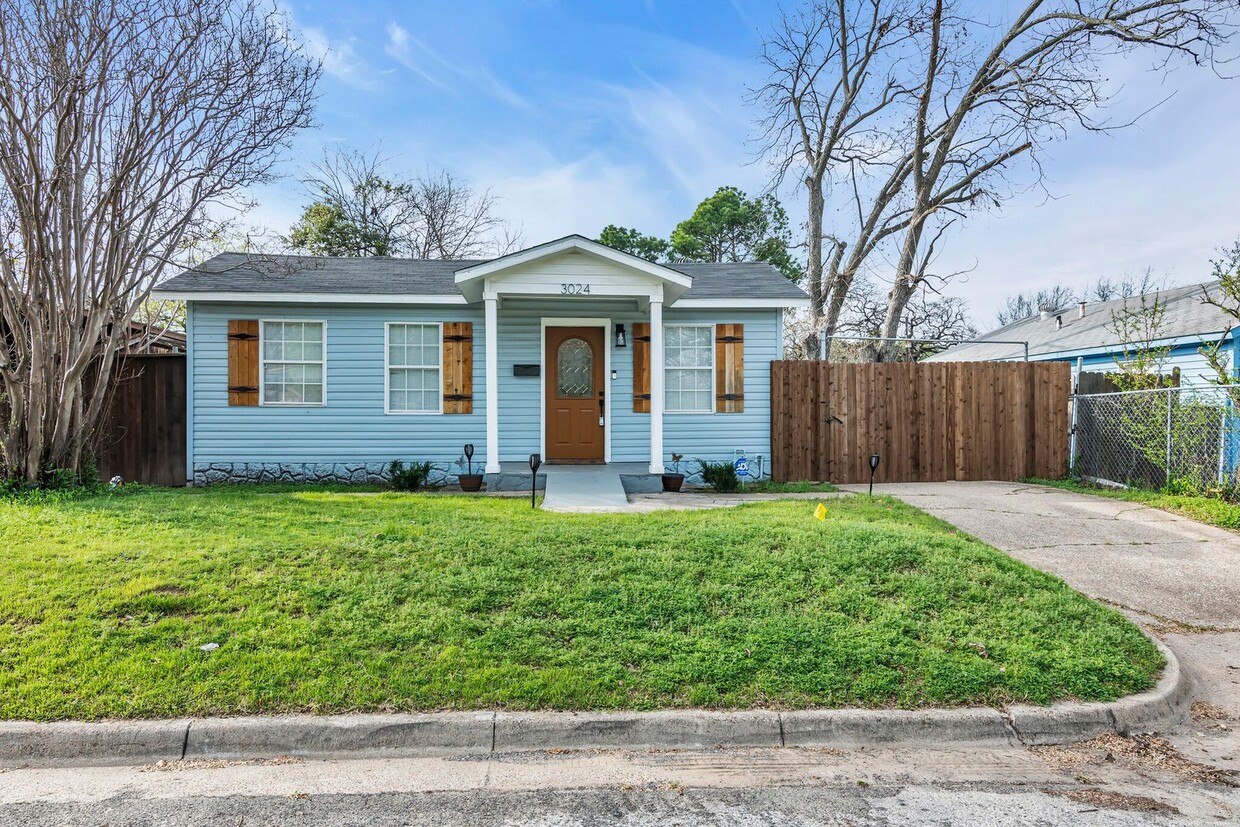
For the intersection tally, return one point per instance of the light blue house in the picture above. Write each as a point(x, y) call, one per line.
point(328, 368)
point(1086, 335)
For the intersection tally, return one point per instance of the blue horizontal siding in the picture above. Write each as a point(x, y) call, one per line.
point(352, 426)
point(1195, 370)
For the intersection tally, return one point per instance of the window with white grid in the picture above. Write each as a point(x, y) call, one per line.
point(414, 383)
point(294, 362)
point(689, 361)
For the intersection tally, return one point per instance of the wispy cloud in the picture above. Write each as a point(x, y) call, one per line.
point(428, 64)
point(340, 60)
point(339, 57)
point(406, 50)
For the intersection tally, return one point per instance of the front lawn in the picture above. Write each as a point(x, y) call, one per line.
point(1210, 510)
point(331, 601)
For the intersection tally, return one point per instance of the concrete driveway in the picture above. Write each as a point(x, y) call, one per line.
point(1177, 578)
point(1148, 561)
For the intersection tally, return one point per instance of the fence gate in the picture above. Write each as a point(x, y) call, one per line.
point(928, 422)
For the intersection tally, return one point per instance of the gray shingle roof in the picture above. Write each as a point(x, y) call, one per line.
point(244, 273)
point(1185, 315)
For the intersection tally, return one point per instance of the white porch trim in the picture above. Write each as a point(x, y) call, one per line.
point(491, 322)
point(656, 386)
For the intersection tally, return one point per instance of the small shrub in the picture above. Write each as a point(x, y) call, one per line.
point(409, 478)
point(720, 476)
point(1181, 486)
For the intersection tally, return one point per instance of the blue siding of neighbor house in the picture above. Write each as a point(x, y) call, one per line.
point(352, 426)
point(1194, 368)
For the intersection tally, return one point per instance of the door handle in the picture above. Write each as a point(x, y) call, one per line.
point(601, 408)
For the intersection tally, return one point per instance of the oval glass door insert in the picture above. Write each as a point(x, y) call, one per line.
point(574, 370)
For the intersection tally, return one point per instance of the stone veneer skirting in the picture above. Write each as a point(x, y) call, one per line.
point(308, 472)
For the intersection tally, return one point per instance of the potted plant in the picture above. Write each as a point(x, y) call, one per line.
point(673, 481)
point(470, 481)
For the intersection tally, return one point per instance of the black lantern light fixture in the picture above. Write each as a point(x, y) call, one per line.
point(535, 462)
point(873, 468)
point(621, 339)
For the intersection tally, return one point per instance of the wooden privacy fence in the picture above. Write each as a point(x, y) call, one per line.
point(928, 422)
point(143, 439)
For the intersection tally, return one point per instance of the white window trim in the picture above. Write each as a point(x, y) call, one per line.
point(679, 411)
point(262, 364)
point(387, 370)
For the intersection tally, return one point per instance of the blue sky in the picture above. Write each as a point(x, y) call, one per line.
point(579, 114)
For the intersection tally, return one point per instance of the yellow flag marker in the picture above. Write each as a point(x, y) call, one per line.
point(820, 512)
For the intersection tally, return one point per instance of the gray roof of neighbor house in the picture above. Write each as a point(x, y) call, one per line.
point(245, 273)
point(1185, 315)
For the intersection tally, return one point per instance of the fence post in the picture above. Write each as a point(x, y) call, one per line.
point(1222, 442)
point(1074, 400)
point(1167, 467)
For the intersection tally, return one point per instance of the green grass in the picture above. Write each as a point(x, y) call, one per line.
point(1210, 510)
point(330, 601)
point(772, 487)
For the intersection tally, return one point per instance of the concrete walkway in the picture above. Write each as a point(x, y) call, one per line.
point(587, 488)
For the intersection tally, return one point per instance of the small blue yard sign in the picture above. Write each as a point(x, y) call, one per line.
point(742, 466)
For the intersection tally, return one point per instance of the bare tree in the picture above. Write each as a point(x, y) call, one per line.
point(1024, 305)
point(454, 221)
point(981, 104)
point(929, 324)
point(360, 207)
point(834, 73)
point(122, 123)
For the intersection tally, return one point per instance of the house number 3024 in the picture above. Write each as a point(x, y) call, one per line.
point(574, 289)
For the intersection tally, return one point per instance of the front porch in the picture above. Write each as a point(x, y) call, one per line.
point(580, 285)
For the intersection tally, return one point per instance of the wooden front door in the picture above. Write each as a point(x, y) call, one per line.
point(574, 393)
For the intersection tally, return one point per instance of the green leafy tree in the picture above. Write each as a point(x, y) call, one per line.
point(325, 230)
point(634, 243)
point(729, 226)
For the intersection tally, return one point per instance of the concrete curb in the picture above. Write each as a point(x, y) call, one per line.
point(1167, 705)
point(473, 733)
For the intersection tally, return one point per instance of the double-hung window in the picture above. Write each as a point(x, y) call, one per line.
point(414, 368)
point(294, 367)
point(689, 362)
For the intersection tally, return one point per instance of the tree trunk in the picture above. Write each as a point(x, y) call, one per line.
point(813, 265)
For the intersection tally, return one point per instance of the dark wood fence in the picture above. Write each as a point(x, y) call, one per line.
point(927, 422)
point(144, 437)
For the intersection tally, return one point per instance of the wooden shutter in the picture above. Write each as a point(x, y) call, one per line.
point(458, 367)
point(243, 361)
point(729, 368)
point(641, 367)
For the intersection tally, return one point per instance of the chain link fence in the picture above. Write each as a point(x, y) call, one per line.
point(1184, 438)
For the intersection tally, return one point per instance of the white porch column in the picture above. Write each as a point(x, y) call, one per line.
point(656, 387)
point(492, 369)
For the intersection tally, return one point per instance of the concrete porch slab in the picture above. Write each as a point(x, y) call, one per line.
point(587, 488)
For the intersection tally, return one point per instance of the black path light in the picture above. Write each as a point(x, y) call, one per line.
point(535, 461)
point(873, 468)
point(469, 457)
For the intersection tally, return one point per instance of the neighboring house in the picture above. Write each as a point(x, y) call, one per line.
point(328, 368)
point(1087, 332)
point(149, 338)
